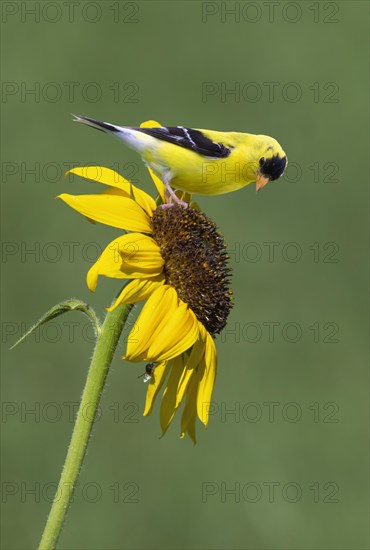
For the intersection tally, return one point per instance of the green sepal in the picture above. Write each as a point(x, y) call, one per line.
point(63, 307)
point(158, 200)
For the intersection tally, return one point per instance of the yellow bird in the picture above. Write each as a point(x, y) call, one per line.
point(205, 162)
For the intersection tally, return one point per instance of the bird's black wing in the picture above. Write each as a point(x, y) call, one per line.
point(189, 139)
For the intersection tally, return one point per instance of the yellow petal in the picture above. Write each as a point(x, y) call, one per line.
point(143, 199)
point(146, 202)
point(168, 405)
point(156, 382)
point(130, 256)
point(184, 196)
point(110, 209)
point(189, 414)
point(113, 191)
point(92, 277)
point(113, 179)
point(207, 376)
point(183, 384)
point(137, 290)
point(158, 183)
point(102, 175)
point(150, 124)
point(190, 365)
point(161, 304)
point(180, 331)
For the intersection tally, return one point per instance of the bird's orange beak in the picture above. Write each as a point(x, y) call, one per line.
point(261, 181)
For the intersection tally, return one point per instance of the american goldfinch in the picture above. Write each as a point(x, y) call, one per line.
point(205, 162)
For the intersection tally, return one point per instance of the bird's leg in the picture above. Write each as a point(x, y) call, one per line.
point(170, 194)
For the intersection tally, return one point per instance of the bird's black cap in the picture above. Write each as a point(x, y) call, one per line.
point(273, 167)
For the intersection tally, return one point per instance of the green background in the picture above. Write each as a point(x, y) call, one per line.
point(137, 491)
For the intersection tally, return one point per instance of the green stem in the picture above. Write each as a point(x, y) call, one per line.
point(103, 354)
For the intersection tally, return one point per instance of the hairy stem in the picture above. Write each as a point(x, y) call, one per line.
point(103, 354)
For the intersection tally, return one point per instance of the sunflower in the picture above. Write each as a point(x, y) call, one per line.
point(175, 261)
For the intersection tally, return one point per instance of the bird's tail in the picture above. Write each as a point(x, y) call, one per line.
point(97, 124)
point(133, 137)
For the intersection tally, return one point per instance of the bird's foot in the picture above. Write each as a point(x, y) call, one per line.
point(172, 198)
point(170, 204)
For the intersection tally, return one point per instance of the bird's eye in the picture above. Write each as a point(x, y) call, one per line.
point(262, 161)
